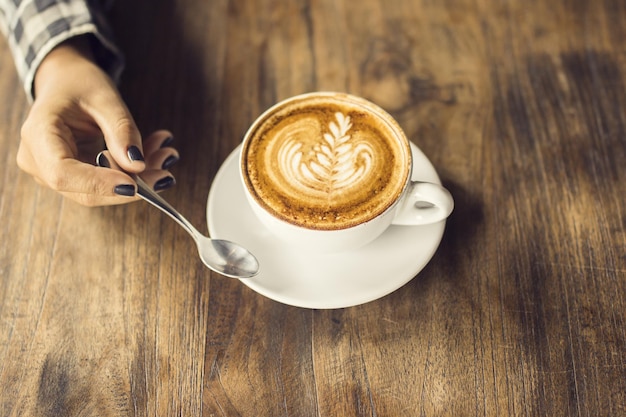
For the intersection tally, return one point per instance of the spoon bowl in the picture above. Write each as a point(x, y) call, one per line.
point(236, 261)
point(222, 256)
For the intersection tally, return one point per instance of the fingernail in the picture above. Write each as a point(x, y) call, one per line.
point(127, 190)
point(167, 142)
point(102, 161)
point(164, 183)
point(134, 154)
point(171, 160)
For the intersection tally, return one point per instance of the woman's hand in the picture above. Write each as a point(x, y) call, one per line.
point(77, 110)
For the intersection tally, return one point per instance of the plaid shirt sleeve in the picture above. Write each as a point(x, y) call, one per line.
point(34, 27)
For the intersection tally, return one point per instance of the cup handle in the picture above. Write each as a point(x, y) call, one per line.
point(423, 203)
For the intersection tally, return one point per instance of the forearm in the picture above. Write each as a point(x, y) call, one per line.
point(34, 32)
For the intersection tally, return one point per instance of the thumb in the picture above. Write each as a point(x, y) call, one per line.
point(121, 134)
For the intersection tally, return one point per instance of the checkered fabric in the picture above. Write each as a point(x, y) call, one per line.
point(34, 27)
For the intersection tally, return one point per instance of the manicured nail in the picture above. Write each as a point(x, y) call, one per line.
point(167, 142)
point(127, 190)
point(134, 154)
point(171, 160)
point(102, 161)
point(164, 183)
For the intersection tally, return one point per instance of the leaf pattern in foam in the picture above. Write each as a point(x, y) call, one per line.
point(337, 162)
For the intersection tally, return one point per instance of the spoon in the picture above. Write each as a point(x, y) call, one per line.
point(222, 256)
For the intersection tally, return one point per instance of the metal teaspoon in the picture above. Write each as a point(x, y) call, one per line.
point(222, 256)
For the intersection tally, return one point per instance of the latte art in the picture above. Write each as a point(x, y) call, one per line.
point(325, 162)
point(337, 162)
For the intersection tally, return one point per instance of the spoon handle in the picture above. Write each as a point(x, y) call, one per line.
point(145, 192)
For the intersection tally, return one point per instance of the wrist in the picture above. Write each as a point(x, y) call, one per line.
point(70, 52)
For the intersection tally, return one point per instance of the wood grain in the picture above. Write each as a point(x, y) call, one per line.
point(521, 107)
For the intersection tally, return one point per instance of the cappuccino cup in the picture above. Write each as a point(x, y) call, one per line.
point(329, 172)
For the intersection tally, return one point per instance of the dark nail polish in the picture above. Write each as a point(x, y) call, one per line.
point(127, 190)
point(102, 161)
point(167, 142)
point(134, 154)
point(171, 160)
point(164, 183)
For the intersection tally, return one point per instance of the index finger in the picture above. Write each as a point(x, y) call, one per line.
point(119, 129)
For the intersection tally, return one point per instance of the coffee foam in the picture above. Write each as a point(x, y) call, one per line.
point(325, 162)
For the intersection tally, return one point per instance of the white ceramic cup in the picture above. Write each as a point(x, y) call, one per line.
point(419, 203)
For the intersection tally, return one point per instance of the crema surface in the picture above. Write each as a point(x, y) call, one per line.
point(326, 162)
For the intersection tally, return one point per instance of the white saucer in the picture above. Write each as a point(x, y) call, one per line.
point(321, 280)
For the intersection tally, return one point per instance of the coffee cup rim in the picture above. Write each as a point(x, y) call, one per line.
point(369, 105)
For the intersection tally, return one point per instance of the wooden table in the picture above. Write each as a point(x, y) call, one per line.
point(520, 106)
